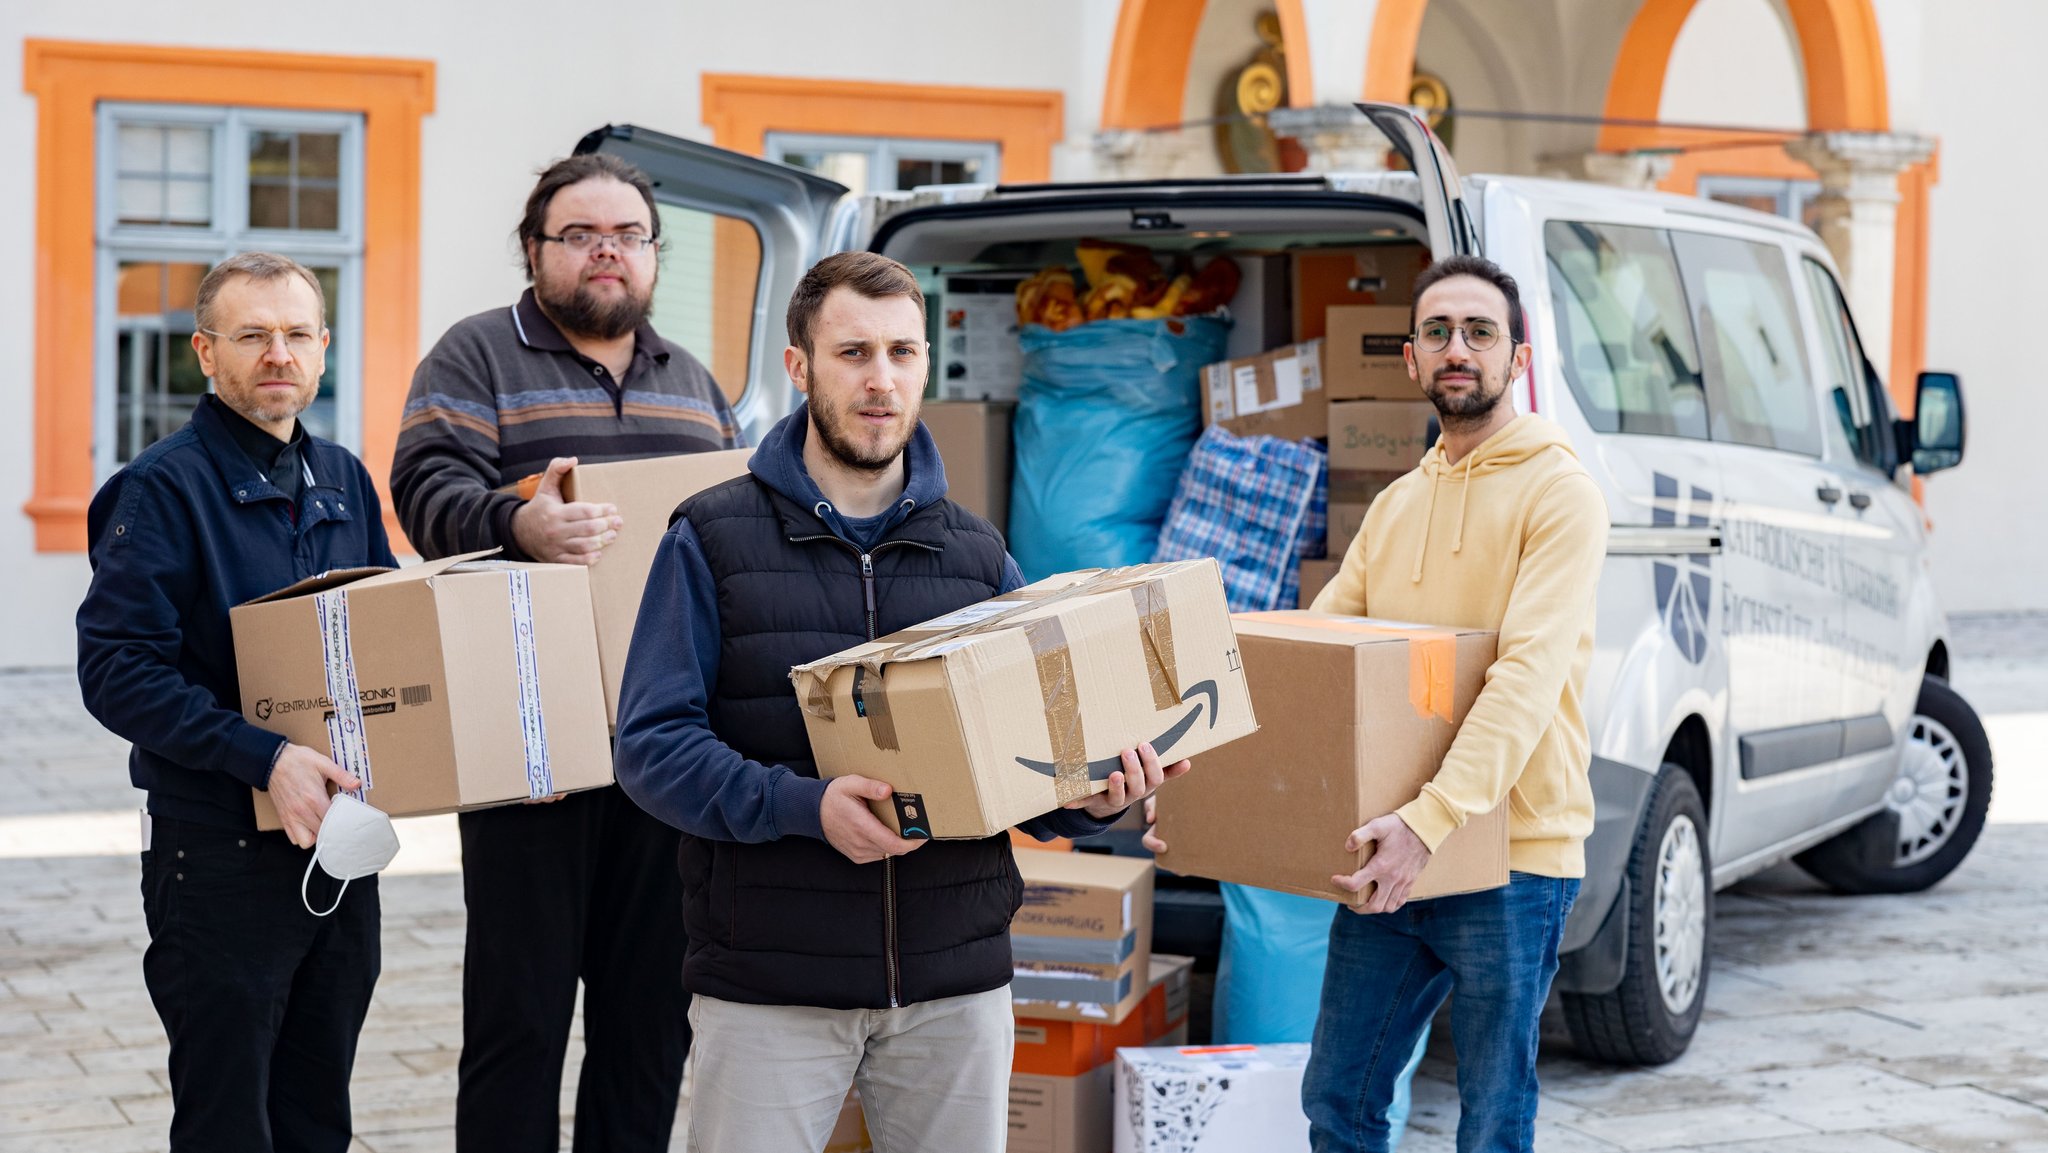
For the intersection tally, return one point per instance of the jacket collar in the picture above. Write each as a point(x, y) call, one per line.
point(239, 476)
point(778, 466)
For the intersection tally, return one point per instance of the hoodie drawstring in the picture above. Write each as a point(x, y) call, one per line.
point(1435, 477)
point(1458, 536)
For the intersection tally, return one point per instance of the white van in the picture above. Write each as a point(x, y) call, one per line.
point(1770, 678)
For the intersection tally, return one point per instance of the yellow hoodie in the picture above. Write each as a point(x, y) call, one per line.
point(1511, 538)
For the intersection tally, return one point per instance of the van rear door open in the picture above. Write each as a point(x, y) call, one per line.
point(1451, 231)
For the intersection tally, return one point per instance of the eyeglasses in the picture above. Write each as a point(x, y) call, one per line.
point(257, 341)
point(1435, 335)
point(581, 240)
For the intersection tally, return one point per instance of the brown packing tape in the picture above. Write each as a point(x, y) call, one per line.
point(1061, 696)
point(1432, 656)
point(1155, 624)
point(871, 700)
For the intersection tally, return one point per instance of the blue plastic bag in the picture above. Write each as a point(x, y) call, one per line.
point(1105, 419)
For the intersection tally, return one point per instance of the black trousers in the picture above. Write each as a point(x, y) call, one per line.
point(582, 887)
point(262, 1001)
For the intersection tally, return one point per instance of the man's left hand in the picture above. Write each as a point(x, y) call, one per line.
point(1392, 868)
point(1140, 775)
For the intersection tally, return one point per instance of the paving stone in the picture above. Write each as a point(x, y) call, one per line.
point(1687, 1127)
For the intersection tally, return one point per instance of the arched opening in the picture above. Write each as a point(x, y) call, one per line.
point(1153, 56)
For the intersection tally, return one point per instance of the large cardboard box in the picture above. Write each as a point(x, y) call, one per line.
point(1315, 574)
point(974, 443)
point(1061, 1081)
point(1358, 716)
point(1081, 940)
point(646, 493)
point(1373, 443)
point(978, 354)
point(1276, 393)
point(1212, 1099)
point(1376, 274)
point(1364, 357)
point(1262, 311)
point(455, 684)
point(1007, 709)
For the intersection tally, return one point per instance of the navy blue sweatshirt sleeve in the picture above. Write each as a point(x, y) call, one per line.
point(1060, 822)
point(668, 759)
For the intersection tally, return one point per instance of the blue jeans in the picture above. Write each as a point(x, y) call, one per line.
point(1388, 974)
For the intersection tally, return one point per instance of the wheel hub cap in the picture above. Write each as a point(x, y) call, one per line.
point(1931, 790)
point(1681, 910)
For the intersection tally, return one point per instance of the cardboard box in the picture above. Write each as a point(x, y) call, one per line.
point(646, 492)
point(1315, 574)
point(1373, 443)
point(1352, 492)
point(1276, 393)
point(850, 1132)
point(1061, 1083)
point(1377, 274)
point(978, 354)
point(462, 682)
point(1007, 709)
point(1081, 941)
point(1212, 1099)
point(1364, 356)
point(1358, 716)
point(1262, 311)
point(974, 443)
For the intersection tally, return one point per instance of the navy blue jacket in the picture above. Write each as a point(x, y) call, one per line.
point(185, 532)
point(668, 759)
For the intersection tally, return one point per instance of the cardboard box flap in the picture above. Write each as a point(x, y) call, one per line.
point(320, 582)
point(1432, 649)
point(426, 570)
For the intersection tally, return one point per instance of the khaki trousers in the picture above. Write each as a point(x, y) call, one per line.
point(771, 1078)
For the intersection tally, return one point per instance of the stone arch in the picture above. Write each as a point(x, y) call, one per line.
point(1148, 60)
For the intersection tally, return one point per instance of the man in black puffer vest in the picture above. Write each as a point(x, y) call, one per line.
point(824, 949)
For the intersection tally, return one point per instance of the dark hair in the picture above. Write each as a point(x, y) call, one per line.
point(1480, 268)
point(261, 267)
point(575, 170)
point(869, 274)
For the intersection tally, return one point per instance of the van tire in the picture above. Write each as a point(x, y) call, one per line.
point(1874, 856)
point(1636, 1024)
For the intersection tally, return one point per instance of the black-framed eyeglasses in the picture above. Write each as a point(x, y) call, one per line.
point(300, 341)
point(583, 240)
point(1435, 335)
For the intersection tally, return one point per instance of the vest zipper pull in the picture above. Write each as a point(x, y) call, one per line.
point(867, 582)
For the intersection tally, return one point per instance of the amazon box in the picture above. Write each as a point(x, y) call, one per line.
point(1007, 709)
point(1363, 356)
point(1210, 1099)
point(974, 444)
point(1359, 714)
point(1061, 1076)
point(646, 492)
point(1081, 941)
point(456, 684)
point(1277, 393)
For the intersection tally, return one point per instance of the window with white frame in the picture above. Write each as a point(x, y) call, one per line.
point(888, 164)
point(1791, 199)
point(181, 188)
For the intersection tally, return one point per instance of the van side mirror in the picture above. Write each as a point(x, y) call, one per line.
point(1937, 424)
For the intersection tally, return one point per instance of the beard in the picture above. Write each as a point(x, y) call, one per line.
point(840, 432)
point(239, 393)
point(1472, 407)
point(581, 310)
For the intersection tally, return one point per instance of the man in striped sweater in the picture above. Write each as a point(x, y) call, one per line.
point(586, 886)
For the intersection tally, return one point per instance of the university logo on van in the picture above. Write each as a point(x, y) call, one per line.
point(1684, 590)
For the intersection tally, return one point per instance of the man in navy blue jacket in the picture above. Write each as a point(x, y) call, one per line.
point(262, 1001)
point(824, 949)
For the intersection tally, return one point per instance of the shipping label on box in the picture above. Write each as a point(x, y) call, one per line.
point(1081, 940)
point(646, 493)
point(1364, 357)
point(1358, 716)
point(1276, 393)
point(1379, 274)
point(1010, 708)
point(455, 684)
point(974, 444)
point(1212, 1099)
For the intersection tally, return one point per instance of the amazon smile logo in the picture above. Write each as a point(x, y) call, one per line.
point(1099, 770)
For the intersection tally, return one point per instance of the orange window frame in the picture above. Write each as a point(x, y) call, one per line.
point(69, 79)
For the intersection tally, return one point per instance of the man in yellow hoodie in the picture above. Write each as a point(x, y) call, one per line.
point(1500, 528)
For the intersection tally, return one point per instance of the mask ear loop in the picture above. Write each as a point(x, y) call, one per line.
point(308, 879)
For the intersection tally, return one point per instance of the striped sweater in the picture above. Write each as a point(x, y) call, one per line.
point(504, 392)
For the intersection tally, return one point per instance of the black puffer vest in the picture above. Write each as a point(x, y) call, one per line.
point(792, 922)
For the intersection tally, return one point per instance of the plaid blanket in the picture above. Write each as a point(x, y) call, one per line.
point(1259, 505)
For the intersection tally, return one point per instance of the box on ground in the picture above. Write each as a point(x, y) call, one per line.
point(1363, 357)
point(455, 684)
point(1376, 274)
point(646, 493)
point(1007, 709)
point(978, 354)
point(1262, 311)
point(1358, 716)
point(1276, 393)
point(1211, 1099)
point(1315, 574)
point(850, 1132)
point(1081, 939)
point(1061, 1083)
point(974, 444)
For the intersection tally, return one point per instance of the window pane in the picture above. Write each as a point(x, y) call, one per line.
point(704, 297)
point(165, 175)
point(320, 155)
point(319, 417)
point(1627, 347)
point(319, 208)
point(140, 148)
point(158, 381)
point(270, 154)
point(270, 205)
point(294, 180)
point(1758, 388)
point(848, 168)
point(1848, 393)
point(140, 201)
point(912, 172)
point(188, 202)
point(189, 151)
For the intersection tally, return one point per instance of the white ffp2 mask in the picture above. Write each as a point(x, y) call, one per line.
point(355, 841)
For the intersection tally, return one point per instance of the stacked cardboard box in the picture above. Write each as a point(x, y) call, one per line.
point(1061, 1078)
point(1314, 575)
point(1082, 938)
point(1276, 393)
point(974, 444)
point(1372, 444)
point(1365, 355)
point(1359, 714)
point(1004, 710)
point(1376, 274)
point(1213, 1099)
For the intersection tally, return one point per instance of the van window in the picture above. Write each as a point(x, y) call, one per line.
point(1759, 391)
point(1627, 348)
point(704, 297)
point(1846, 382)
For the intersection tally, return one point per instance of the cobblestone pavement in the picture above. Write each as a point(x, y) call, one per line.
point(1872, 1025)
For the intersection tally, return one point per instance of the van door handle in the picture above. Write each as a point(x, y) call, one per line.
point(1828, 494)
point(1859, 500)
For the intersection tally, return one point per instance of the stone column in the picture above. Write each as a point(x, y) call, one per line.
point(1337, 137)
point(1858, 207)
point(1638, 170)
